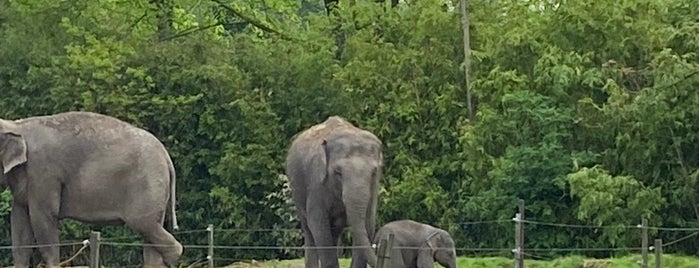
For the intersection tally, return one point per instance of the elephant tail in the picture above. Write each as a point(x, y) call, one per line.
point(172, 199)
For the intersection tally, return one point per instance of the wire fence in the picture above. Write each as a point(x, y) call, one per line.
point(517, 250)
point(107, 242)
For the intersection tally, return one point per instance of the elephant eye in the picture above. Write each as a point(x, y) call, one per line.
point(337, 171)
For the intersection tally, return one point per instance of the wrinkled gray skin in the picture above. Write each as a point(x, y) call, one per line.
point(90, 168)
point(334, 169)
point(422, 244)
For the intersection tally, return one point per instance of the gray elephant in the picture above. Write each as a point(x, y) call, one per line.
point(334, 170)
point(418, 245)
point(91, 168)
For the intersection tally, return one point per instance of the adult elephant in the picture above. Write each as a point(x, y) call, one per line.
point(418, 245)
point(91, 168)
point(334, 170)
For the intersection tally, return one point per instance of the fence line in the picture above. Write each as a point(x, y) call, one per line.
point(110, 240)
point(659, 228)
point(270, 247)
point(519, 250)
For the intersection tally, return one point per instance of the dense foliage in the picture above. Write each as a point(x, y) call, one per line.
point(586, 110)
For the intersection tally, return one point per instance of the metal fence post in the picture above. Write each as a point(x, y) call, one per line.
point(521, 233)
point(95, 250)
point(210, 256)
point(644, 243)
point(517, 250)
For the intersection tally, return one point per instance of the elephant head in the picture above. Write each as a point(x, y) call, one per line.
point(440, 249)
point(351, 163)
point(13, 148)
point(353, 170)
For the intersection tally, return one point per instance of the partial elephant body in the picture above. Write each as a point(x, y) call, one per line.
point(418, 245)
point(88, 167)
point(334, 169)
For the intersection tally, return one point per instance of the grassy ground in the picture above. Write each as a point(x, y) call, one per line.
point(496, 262)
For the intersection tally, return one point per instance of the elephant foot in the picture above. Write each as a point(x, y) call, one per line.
point(171, 255)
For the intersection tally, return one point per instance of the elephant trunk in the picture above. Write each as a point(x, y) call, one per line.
point(360, 208)
point(449, 262)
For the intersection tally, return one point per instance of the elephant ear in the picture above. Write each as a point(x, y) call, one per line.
point(425, 257)
point(13, 150)
point(432, 242)
point(324, 164)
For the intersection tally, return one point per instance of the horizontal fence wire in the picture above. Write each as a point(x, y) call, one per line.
point(580, 226)
point(680, 239)
point(270, 247)
point(45, 245)
point(256, 230)
point(191, 231)
point(483, 222)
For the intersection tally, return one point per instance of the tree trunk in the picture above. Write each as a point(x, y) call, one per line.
point(467, 57)
point(330, 6)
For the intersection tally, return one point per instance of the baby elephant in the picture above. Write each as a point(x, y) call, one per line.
point(418, 245)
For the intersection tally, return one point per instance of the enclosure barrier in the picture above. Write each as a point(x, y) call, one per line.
point(95, 242)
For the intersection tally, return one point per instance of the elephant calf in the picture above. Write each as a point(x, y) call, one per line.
point(418, 245)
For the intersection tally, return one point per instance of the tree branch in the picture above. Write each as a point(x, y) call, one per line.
point(138, 20)
point(192, 30)
point(686, 77)
point(253, 21)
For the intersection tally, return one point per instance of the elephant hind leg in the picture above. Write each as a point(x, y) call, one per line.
point(161, 241)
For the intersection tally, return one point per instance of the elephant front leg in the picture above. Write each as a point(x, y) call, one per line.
point(47, 233)
point(310, 255)
point(425, 259)
point(22, 236)
point(319, 225)
point(46, 230)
